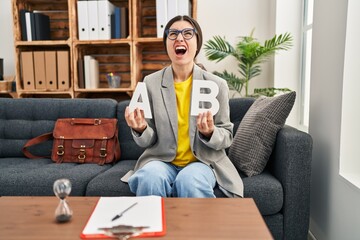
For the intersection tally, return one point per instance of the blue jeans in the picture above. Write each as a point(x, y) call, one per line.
point(196, 180)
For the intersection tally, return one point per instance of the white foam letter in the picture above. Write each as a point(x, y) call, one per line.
point(198, 98)
point(140, 99)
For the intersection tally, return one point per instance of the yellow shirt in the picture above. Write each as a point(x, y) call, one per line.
point(184, 154)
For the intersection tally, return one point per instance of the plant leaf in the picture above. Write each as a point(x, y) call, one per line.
point(250, 54)
point(233, 81)
point(271, 46)
point(218, 49)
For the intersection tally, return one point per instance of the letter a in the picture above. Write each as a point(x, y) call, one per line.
point(199, 99)
point(140, 99)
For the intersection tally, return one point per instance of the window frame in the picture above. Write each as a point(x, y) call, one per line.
point(306, 28)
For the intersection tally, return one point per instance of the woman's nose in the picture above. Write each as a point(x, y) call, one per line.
point(179, 37)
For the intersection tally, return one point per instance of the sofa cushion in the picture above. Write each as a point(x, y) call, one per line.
point(35, 177)
point(266, 191)
point(254, 139)
point(264, 188)
point(108, 183)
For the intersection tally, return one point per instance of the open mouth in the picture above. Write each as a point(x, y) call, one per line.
point(180, 50)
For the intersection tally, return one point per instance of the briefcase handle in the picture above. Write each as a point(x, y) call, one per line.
point(87, 121)
point(34, 141)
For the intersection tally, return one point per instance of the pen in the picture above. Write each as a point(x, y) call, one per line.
point(120, 214)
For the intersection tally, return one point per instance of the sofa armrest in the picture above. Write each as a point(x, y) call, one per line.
point(291, 165)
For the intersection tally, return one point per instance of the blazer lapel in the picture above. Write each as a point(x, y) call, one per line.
point(169, 99)
point(197, 75)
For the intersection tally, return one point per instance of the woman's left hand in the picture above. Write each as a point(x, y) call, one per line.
point(205, 124)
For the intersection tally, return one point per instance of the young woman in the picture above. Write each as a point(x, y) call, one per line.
point(185, 155)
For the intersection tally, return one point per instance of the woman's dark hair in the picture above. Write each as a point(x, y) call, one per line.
point(195, 25)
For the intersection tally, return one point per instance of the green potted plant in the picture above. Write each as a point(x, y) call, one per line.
point(250, 54)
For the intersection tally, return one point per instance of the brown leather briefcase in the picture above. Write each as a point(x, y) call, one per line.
point(81, 140)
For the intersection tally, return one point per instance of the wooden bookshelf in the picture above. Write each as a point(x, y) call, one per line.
point(133, 57)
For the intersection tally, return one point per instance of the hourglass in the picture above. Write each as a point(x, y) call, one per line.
point(62, 189)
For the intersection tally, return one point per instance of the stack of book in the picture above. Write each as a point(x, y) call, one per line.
point(100, 19)
point(88, 72)
point(34, 26)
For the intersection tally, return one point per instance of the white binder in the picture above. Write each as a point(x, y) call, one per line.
point(105, 9)
point(161, 17)
point(87, 71)
point(93, 20)
point(184, 7)
point(28, 26)
point(91, 69)
point(94, 73)
point(82, 14)
point(172, 9)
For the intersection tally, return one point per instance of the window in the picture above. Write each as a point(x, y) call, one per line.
point(306, 61)
point(350, 128)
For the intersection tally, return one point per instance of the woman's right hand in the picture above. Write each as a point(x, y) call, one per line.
point(136, 119)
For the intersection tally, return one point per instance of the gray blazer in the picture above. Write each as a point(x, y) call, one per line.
point(160, 137)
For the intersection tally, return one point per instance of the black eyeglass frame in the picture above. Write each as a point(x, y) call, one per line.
point(177, 32)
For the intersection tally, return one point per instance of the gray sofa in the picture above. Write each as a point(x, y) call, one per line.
point(281, 192)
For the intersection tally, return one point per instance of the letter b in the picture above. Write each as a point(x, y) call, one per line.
point(199, 100)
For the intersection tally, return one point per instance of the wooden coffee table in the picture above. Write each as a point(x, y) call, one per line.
point(186, 218)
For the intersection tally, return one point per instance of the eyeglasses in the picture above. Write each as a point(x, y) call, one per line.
point(187, 33)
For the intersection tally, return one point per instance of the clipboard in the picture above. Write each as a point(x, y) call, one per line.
point(149, 211)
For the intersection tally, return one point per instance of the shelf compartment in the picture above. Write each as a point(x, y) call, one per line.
point(63, 89)
point(146, 24)
point(112, 58)
point(117, 3)
point(57, 10)
point(150, 57)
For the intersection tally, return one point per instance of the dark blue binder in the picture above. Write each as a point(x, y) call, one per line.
point(23, 24)
point(117, 22)
point(42, 26)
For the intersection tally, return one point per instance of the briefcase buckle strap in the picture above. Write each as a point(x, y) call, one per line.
point(60, 147)
point(60, 150)
point(103, 152)
point(82, 155)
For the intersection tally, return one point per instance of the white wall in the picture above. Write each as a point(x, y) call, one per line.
point(287, 64)
point(7, 51)
point(335, 211)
